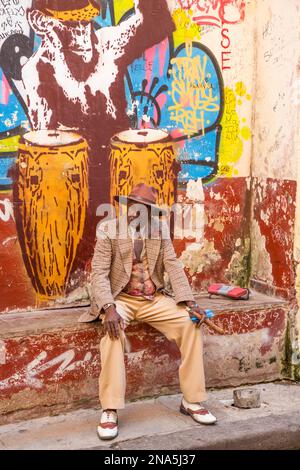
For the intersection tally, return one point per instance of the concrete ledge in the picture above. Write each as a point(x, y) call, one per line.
point(156, 424)
point(50, 362)
point(268, 433)
point(40, 321)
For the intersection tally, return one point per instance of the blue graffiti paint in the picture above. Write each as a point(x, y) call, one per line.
point(149, 93)
point(148, 85)
point(7, 159)
point(12, 117)
point(12, 114)
point(199, 156)
point(208, 81)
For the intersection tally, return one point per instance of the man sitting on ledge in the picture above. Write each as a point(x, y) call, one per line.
point(127, 284)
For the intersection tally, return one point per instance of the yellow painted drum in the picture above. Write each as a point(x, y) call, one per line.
point(145, 156)
point(51, 197)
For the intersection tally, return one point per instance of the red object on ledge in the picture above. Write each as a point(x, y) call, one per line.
point(231, 292)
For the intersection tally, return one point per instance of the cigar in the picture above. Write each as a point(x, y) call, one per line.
point(214, 327)
point(208, 323)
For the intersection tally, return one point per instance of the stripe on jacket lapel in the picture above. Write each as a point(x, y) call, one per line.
point(126, 251)
point(152, 250)
point(125, 245)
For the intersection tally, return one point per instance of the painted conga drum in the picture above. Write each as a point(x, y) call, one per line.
point(51, 197)
point(144, 156)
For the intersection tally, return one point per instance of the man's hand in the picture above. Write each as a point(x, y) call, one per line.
point(196, 310)
point(112, 323)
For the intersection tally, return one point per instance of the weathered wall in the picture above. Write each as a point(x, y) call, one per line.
point(224, 84)
point(295, 322)
point(275, 158)
point(203, 71)
point(276, 90)
point(296, 327)
point(274, 164)
point(195, 82)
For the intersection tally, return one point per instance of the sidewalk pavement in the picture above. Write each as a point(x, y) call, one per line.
point(156, 424)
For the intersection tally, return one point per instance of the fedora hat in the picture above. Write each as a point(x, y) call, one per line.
point(142, 194)
point(68, 10)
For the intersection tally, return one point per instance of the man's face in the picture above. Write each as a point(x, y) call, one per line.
point(77, 38)
point(141, 218)
point(139, 212)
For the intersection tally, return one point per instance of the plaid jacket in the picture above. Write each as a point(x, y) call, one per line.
point(112, 265)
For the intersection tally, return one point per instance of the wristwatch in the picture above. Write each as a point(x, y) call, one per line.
point(106, 306)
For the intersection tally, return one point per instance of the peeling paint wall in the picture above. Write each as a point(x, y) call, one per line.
point(275, 162)
point(276, 89)
point(295, 331)
point(274, 159)
point(223, 254)
point(275, 134)
point(273, 219)
point(50, 364)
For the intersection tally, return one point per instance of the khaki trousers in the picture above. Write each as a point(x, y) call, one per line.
point(174, 322)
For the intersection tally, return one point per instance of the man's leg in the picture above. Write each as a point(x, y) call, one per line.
point(112, 380)
point(174, 322)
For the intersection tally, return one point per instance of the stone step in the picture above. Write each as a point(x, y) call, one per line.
point(49, 362)
point(156, 424)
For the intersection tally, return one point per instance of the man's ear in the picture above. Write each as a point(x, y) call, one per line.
point(40, 23)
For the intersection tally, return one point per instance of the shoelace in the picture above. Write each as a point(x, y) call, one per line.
point(201, 410)
point(109, 416)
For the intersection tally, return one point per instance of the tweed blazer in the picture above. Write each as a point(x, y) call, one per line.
point(112, 266)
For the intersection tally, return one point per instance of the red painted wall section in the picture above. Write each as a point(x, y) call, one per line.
point(274, 204)
point(224, 253)
point(39, 361)
point(16, 289)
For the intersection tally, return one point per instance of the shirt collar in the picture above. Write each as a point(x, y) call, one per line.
point(134, 234)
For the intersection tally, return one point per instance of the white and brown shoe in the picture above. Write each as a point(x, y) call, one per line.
point(108, 427)
point(197, 412)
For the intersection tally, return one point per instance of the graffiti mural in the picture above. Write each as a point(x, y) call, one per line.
point(145, 156)
point(95, 68)
point(50, 223)
point(215, 12)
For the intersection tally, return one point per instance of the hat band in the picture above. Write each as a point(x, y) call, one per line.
point(82, 14)
point(141, 199)
point(145, 201)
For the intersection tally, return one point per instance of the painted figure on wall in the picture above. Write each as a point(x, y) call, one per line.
point(75, 80)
